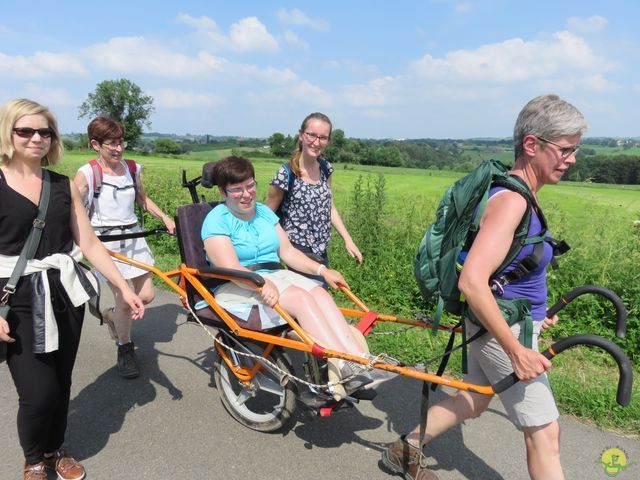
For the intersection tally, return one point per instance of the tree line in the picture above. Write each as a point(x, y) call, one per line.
point(124, 101)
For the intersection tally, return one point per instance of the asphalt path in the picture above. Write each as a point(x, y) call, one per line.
point(169, 423)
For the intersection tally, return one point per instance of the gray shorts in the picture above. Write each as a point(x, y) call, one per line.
point(283, 279)
point(527, 404)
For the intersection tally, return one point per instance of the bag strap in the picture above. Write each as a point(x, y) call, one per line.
point(31, 245)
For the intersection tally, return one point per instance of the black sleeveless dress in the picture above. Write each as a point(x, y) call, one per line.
point(17, 213)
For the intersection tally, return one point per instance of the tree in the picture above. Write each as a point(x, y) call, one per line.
point(166, 145)
point(280, 145)
point(123, 101)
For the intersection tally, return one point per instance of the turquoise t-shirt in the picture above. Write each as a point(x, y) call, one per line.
point(255, 240)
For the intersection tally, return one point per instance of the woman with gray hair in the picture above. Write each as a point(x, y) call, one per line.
point(546, 138)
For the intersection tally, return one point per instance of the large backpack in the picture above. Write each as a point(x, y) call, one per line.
point(97, 180)
point(291, 177)
point(441, 253)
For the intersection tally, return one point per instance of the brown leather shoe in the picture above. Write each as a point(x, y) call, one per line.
point(403, 458)
point(67, 467)
point(34, 472)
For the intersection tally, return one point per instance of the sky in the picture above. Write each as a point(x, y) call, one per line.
point(378, 69)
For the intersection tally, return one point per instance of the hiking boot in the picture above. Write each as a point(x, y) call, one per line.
point(127, 365)
point(107, 319)
point(403, 458)
point(67, 467)
point(355, 375)
point(34, 472)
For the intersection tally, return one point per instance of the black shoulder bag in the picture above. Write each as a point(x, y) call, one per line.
point(27, 253)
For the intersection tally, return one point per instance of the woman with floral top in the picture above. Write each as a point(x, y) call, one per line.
point(305, 203)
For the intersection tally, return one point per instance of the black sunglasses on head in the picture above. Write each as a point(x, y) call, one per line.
point(26, 132)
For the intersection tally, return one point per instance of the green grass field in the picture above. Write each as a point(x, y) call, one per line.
point(595, 219)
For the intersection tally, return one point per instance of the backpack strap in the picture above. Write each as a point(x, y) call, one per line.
point(131, 165)
point(96, 180)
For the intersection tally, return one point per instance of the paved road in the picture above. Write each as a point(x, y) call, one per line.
point(169, 423)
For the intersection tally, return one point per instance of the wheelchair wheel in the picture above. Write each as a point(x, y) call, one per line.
point(264, 405)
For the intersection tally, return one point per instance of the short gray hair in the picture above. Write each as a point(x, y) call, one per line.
point(547, 116)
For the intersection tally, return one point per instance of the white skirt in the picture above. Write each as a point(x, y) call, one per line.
point(135, 248)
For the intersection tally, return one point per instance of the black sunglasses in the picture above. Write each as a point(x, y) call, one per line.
point(26, 132)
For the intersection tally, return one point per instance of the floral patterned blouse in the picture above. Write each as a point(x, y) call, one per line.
point(305, 212)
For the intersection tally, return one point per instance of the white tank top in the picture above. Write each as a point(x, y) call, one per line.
point(115, 205)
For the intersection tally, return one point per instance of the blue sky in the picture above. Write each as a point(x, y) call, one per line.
point(379, 69)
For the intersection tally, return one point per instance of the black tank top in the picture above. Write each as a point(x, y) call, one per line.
point(17, 213)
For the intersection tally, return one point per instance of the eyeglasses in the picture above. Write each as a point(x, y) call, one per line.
point(26, 132)
point(237, 191)
point(312, 137)
point(114, 146)
point(565, 152)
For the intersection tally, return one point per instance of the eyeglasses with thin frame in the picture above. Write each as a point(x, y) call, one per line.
point(27, 132)
point(312, 137)
point(565, 152)
point(114, 146)
point(238, 191)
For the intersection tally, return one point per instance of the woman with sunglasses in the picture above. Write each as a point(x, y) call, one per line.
point(243, 234)
point(111, 187)
point(29, 140)
point(301, 194)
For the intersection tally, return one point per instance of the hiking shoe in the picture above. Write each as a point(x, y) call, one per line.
point(403, 458)
point(107, 319)
point(127, 364)
point(355, 375)
point(34, 472)
point(67, 467)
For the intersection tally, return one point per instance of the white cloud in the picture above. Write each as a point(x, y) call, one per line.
point(127, 55)
point(42, 64)
point(176, 99)
point(291, 38)
point(246, 35)
point(588, 83)
point(463, 8)
point(139, 56)
point(311, 94)
point(298, 17)
point(376, 93)
point(52, 97)
point(513, 60)
point(202, 23)
point(250, 35)
point(591, 24)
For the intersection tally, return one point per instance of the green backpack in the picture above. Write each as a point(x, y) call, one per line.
point(439, 258)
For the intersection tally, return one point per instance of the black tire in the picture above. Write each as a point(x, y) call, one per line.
point(266, 405)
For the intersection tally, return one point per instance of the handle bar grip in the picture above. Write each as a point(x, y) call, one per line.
point(129, 236)
point(621, 310)
point(625, 382)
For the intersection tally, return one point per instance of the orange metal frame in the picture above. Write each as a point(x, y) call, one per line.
point(306, 344)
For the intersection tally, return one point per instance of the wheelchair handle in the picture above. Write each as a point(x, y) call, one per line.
point(128, 236)
point(621, 310)
point(625, 382)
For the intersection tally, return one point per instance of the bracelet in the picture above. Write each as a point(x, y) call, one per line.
point(322, 265)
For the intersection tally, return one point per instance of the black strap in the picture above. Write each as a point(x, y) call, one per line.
point(265, 266)
point(31, 245)
point(424, 413)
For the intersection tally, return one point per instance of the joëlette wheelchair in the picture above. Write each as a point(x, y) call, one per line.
point(253, 370)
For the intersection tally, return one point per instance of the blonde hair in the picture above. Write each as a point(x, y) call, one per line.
point(10, 113)
point(294, 163)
